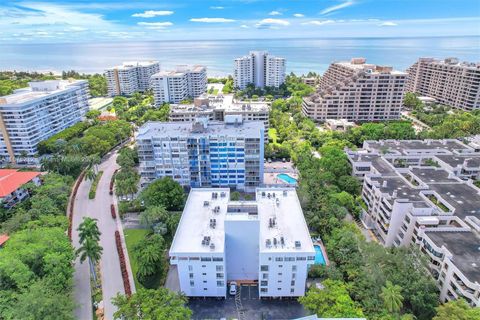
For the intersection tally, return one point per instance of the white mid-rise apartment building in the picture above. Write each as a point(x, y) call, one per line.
point(218, 107)
point(422, 193)
point(259, 68)
point(263, 241)
point(130, 77)
point(33, 114)
point(203, 153)
point(449, 82)
point(180, 84)
point(357, 91)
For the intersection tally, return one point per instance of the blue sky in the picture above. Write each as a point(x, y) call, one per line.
point(33, 21)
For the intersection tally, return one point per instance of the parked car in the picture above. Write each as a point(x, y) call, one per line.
point(233, 288)
point(284, 160)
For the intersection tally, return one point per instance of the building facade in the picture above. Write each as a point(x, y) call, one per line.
point(259, 68)
point(11, 185)
point(180, 84)
point(263, 241)
point(357, 91)
point(36, 113)
point(130, 77)
point(218, 107)
point(203, 153)
point(449, 82)
point(421, 192)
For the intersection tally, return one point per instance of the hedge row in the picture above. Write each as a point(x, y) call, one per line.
point(93, 188)
point(123, 265)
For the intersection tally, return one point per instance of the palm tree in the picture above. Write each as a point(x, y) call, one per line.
point(90, 174)
point(93, 251)
point(392, 297)
point(88, 229)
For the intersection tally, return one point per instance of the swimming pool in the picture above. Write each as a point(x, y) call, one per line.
point(319, 259)
point(288, 179)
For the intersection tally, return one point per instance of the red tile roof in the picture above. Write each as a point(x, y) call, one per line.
point(12, 179)
point(3, 239)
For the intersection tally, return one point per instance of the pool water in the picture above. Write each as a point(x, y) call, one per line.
point(319, 259)
point(285, 177)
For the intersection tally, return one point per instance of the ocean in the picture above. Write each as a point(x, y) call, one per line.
point(303, 55)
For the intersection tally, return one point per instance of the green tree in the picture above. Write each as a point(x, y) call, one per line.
point(89, 236)
point(152, 215)
point(457, 310)
point(331, 301)
point(392, 297)
point(164, 192)
point(160, 304)
point(149, 253)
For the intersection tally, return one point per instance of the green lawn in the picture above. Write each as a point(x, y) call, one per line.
point(132, 237)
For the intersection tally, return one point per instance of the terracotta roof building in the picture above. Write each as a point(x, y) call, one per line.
point(11, 182)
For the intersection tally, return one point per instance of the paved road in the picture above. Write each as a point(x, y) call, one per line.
point(99, 208)
point(81, 276)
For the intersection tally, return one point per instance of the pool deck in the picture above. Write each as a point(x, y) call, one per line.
point(271, 178)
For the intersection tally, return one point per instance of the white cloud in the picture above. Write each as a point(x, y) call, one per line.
point(212, 20)
point(152, 14)
point(217, 8)
point(274, 13)
point(388, 24)
point(244, 26)
point(271, 23)
point(318, 22)
point(299, 15)
point(156, 25)
point(337, 7)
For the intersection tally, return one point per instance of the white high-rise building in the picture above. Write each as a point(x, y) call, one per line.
point(449, 82)
point(130, 77)
point(265, 240)
point(421, 192)
point(33, 114)
point(357, 91)
point(259, 68)
point(203, 153)
point(182, 83)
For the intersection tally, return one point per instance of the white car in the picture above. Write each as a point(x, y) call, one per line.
point(233, 288)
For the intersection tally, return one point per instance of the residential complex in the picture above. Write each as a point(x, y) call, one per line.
point(422, 192)
point(203, 153)
point(449, 82)
point(130, 77)
point(259, 68)
point(218, 107)
point(357, 91)
point(11, 185)
point(180, 84)
point(263, 241)
point(33, 114)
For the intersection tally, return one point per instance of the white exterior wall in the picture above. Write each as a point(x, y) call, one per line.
point(130, 77)
point(259, 68)
point(208, 276)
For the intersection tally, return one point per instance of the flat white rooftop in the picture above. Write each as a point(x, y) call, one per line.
point(39, 89)
point(277, 210)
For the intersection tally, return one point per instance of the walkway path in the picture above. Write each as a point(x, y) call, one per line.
point(99, 208)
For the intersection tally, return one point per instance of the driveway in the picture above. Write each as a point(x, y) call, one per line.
point(99, 208)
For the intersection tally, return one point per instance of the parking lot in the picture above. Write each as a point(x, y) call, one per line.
point(246, 305)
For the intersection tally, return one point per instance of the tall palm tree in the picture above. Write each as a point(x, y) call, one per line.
point(93, 251)
point(392, 297)
point(88, 229)
point(90, 174)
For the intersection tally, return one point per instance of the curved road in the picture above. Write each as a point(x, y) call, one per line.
point(99, 208)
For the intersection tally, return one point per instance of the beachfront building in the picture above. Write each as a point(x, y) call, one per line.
point(263, 241)
point(259, 68)
point(179, 84)
point(130, 77)
point(449, 82)
point(421, 192)
point(33, 114)
point(203, 153)
point(357, 91)
point(11, 185)
point(218, 107)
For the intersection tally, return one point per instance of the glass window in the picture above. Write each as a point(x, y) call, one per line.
point(264, 268)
